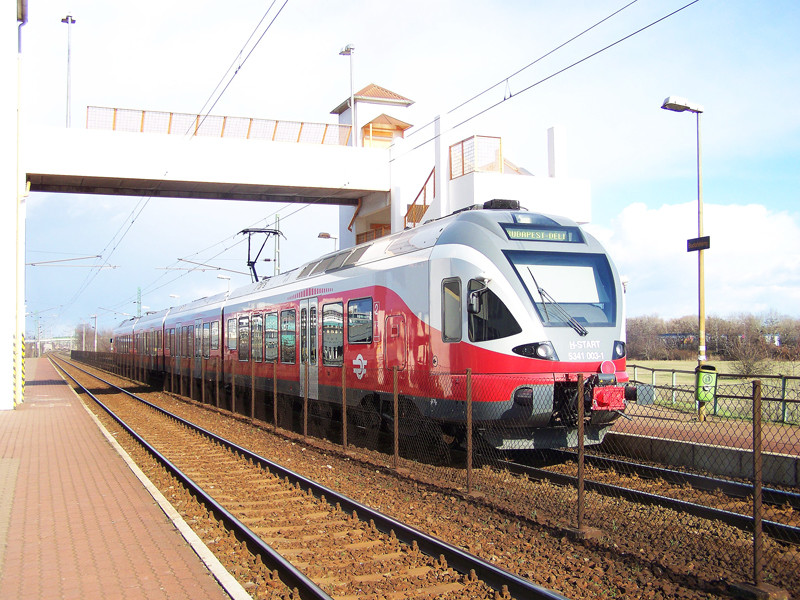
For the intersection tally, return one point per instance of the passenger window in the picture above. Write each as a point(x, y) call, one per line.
point(492, 320)
point(215, 335)
point(332, 333)
point(206, 339)
point(258, 338)
point(244, 338)
point(271, 335)
point(312, 335)
point(359, 321)
point(288, 337)
point(451, 310)
point(231, 334)
point(198, 340)
point(190, 341)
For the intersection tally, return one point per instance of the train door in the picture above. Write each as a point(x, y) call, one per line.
point(395, 342)
point(309, 344)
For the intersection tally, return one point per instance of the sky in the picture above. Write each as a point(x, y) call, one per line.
point(736, 58)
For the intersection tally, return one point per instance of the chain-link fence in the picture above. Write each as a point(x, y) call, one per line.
point(660, 480)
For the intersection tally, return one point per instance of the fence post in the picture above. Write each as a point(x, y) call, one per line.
point(758, 558)
point(783, 398)
point(396, 428)
point(191, 378)
point(217, 368)
point(580, 453)
point(172, 374)
point(305, 403)
point(344, 408)
point(233, 387)
point(202, 380)
point(758, 589)
point(275, 392)
point(674, 381)
point(469, 431)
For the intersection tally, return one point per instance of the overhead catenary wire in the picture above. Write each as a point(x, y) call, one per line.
point(236, 59)
point(144, 201)
point(506, 80)
point(511, 95)
point(261, 37)
point(542, 57)
point(153, 286)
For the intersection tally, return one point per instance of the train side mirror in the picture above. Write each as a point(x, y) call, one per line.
point(475, 301)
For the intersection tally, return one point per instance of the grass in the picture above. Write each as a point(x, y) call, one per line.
point(682, 398)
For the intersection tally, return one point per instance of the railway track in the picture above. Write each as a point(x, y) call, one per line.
point(733, 489)
point(630, 481)
point(319, 542)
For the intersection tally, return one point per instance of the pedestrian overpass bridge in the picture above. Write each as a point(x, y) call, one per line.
point(155, 154)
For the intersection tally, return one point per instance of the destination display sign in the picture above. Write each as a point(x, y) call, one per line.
point(539, 233)
point(701, 243)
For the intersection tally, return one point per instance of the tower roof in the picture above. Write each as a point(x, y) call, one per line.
point(374, 94)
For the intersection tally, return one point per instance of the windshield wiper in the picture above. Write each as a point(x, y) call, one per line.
point(558, 310)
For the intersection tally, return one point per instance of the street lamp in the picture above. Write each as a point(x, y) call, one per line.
point(95, 332)
point(327, 236)
point(70, 22)
point(226, 277)
point(676, 104)
point(348, 51)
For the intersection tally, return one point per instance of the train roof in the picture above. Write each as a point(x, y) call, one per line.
point(410, 240)
point(427, 235)
point(199, 303)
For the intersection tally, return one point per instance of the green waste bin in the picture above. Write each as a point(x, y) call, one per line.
point(705, 383)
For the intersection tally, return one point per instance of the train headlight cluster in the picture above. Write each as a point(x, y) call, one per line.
point(619, 350)
point(540, 350)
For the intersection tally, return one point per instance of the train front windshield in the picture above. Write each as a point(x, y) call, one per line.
point(565, 285)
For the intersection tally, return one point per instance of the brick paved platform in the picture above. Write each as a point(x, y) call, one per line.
point(75, 522)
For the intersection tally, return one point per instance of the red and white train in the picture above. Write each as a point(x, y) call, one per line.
point(525, 302)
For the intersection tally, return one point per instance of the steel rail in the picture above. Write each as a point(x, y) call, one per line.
point(456, 558)
point(778, 531)
point(734, 489)
point(294, 578)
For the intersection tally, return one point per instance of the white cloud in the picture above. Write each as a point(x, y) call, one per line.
point(753, 264)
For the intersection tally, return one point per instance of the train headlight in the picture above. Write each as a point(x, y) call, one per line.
point(619, 350)
point(540, 350)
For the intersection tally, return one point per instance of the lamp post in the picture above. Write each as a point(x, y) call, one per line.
point(226, 277)
point(348, 51)
point(677, 104)
point(70, 22)
point(327, 236)
point(95, 333)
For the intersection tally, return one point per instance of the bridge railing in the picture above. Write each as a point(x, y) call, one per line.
point(185, 124)
point(478, 153)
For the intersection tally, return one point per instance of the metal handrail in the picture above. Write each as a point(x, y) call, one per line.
point(413, 208)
